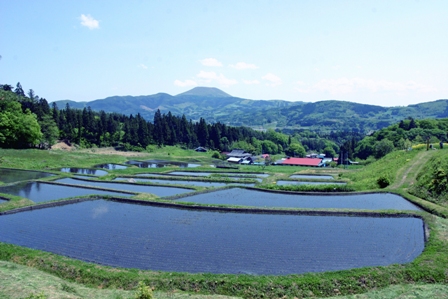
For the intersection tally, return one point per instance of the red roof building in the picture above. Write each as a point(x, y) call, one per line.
point(302, 161)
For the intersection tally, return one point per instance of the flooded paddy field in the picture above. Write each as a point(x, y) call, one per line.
point(282, 183)
point(161, 164)
point(42, 192)
point(166, 175)
point(227, 174)
point(246, 197)
point(14, 175)
point(156, 190)
point(168, 239)
point(182, 182)
point(311, 176)
point(89, 171)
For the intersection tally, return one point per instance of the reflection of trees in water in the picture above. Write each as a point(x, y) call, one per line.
point(26, 189)
point(10, 175)
point(82, 170)
point(159, 164)
point(106, 166)
point(21, 189)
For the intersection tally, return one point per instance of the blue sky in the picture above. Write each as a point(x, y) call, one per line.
point(388, 53)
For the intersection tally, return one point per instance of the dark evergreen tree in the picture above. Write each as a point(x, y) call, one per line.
point(159, 128)
point(19, 90)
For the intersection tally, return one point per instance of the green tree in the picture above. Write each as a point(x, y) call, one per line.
point(269, 147)
point(329, 152)
point(365, 148)
point(202, 132)
point(50, 131)
point(383, 147)
point(18, 129)
point(296, 150)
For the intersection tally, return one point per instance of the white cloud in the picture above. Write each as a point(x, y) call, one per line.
point(272, 79)
point(185, 83)
point(244, 66)
point(208, 76)
point(249, 82)
point(213, 77)
point(210, 62)
point(99, 211)
point(142, 66)
point(89, 22)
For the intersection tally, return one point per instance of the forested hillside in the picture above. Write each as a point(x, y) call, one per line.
point(28, 120)
point(215, 105)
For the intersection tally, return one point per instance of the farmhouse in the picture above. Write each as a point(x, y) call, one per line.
point(238, 153)
point(235, 160)
point(246, 160)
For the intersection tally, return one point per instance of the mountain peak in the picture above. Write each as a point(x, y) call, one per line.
point(205, 92)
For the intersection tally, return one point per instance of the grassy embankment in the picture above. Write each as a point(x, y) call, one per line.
point(401, 168)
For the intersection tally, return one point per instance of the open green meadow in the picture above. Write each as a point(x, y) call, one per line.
point(27, 273)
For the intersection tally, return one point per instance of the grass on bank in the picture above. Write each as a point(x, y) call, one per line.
point(18, 281)
point(21, 281)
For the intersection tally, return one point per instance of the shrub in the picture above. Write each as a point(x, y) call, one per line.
point(216, 155)
point(150, 148)
point(143, 291)
point(383, 181)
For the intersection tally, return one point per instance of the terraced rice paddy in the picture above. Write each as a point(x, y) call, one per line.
point(156, 190)
point(42, 192)
point(14, 175)
point(168, 239)
point(245, 197)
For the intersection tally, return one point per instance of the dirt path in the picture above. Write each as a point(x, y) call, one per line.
point(415, 165)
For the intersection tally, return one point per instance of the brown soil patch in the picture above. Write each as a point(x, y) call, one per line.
point(112, 151)
point(61, 145)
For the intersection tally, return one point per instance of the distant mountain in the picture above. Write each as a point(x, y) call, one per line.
point(205, 92)
point(215, 105)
